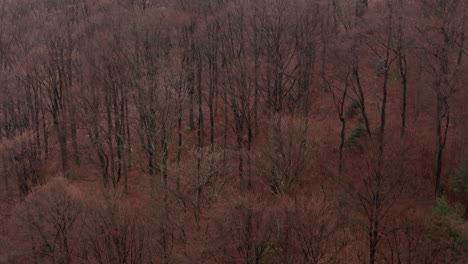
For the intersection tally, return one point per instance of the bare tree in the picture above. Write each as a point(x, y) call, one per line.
point(50, 216)
point(440, 28)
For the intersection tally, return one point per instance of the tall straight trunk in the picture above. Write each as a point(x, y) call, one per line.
point(211, 110)
point(239, 130)
point(150, 157)
point(37, 133)
point(191, 85)
point(128, 134)
point(200, 128)
point(342, 142)
point(69, 83)
point(212, 121)
point(118, 140)
point(62, 137)
point(340, 105)
point(179, 133)
point(240, 160)
point(110, 144)
point(56, 95)
point(404, 89)
point(438, 152)
point(441, 138)
point(377, 196)
point(249, 160)
point(191, 88)
point(362, 102)
point(256, 72)
point(165, 155)
point(35, 116)
point(383, 113)
point(442, 112)
point(225, 130)
point(343, 128)
point(117, 134)
point(256, 94)
point(403, 68)
point(123, 140)
point(373, 236)
point(212, 55)
point(45, 134)
point(73, 128)
point(212, 92)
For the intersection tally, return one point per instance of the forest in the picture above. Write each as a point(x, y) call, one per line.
point(233, 131)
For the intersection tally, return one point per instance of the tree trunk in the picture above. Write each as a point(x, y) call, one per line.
point(402, 65)
point(73, 128)
point(179, 134)
point(45, 135)
point(362, 102)
point(200, 127)
point(441, 138)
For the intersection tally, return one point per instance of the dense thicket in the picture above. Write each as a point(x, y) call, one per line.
point(233, 131)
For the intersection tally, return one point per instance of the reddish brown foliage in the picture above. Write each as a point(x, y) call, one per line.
point(267, 131)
